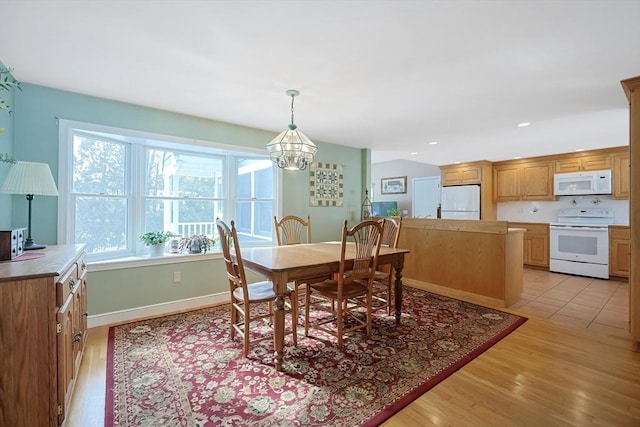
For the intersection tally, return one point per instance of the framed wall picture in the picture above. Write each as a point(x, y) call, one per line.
point(395, 185)
point(326, 187)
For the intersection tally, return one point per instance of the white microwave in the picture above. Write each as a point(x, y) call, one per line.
point(582, 183)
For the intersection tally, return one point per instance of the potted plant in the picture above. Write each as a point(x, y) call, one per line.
point(156, 240)
point(394, 212)
point(197, 243)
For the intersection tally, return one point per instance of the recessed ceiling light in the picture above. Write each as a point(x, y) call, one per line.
point(414, 153)
point(433, 142)
point(523, 124)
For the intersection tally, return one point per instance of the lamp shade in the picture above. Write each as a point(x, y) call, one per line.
point(291, 149)
point(29, 178)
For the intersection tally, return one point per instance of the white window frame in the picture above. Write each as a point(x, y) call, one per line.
point(138, 140)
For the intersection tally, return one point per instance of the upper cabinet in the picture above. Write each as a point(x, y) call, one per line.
point(522, 180)
point(587, 163)
point(621, 175)
point(473, 173)
point(532, 178)
point(460, 174)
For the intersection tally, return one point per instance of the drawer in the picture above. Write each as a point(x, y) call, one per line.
point(619, 232)
point(66, 285)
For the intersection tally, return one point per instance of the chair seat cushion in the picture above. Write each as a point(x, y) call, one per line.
point(259, 291)
point(381, 275)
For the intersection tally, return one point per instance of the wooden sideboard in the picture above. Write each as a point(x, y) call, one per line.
point(43, 327)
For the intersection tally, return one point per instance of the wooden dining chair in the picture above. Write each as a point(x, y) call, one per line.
point(351, 287)
point(245, 297)
point(292, 230)
point(382, 282)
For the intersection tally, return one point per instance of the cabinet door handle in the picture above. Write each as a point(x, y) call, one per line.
point(77, 337)
point(84, 266)
point(72, 283)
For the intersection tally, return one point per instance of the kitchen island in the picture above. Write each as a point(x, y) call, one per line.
point(476, 260)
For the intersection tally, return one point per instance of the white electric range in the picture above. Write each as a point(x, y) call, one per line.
point(579, 242)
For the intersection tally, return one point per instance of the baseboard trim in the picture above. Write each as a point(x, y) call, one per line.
point(454, 293)
point(155, 310)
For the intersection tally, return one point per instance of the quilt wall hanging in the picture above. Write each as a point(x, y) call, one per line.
point(326, 187)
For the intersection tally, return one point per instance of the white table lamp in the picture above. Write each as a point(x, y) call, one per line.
point(32, 179)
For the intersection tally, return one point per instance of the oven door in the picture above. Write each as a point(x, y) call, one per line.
point(579, 243)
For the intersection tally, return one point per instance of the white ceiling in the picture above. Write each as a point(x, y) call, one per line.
point(388, 75)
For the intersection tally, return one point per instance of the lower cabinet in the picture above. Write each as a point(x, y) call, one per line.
point(536, 243)
point(43, 328)
point(619, 250)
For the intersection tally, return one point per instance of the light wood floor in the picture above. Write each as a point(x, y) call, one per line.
point(543, 374)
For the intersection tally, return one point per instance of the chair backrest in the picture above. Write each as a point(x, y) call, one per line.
point(367, 237)
point(292, 230)
point(232, 257)
point(390, 231)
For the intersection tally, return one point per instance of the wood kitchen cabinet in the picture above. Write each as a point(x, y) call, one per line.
point(473, 173)
point(460, 174)
point(621, 181)
point(532, 178)
point(619, 250)
point(43, 331)
point(536, 243)
point(586, 163)
point(523, 180)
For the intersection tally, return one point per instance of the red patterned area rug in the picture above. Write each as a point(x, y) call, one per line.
point(184, 370)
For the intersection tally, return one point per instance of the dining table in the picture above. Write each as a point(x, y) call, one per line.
point(284, 264)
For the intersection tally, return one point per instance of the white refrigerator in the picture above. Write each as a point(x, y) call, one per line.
point(460, 202)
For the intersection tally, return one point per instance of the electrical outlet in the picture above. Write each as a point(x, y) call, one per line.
point(177, 277)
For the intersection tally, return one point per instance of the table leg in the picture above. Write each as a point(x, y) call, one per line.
point(397, 265)
point(279, 319)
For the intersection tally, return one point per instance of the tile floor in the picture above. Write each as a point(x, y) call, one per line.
point(581, 302)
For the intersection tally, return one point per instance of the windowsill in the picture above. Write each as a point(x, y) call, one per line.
point(146, 261)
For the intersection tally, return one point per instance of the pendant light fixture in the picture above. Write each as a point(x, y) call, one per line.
point(291, 149)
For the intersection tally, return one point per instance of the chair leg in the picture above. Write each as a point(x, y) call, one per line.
point(245, 345)
point(307, 300)
point(389, 305)
point(234, 319)
point(339, 320)
point(369, 298)
point(294, 316)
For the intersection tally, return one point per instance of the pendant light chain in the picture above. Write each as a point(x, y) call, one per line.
point(292, 98)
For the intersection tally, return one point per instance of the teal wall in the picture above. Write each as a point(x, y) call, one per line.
point(6, 147)
point(37, 109)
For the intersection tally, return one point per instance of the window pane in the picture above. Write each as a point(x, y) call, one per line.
point(244, 186)
point(264, 183)
point(101, 223)
point(98, 166)
point(183, 217)
point(264, 219)
point(175, 174)
point(243, 217)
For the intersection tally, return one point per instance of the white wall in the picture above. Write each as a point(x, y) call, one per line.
point(396, 168)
